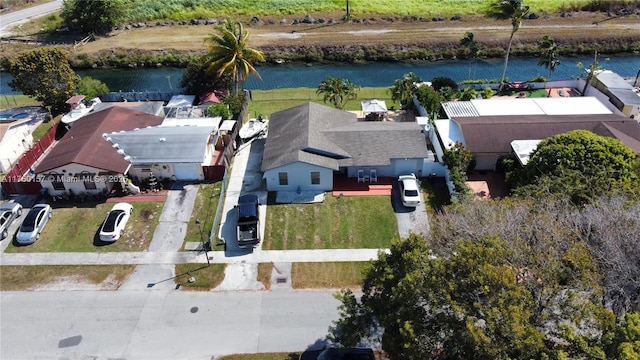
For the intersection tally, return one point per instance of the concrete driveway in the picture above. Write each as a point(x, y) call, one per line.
point(410, 220)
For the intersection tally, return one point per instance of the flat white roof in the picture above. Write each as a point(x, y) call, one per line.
point(523, 149)
point(205, 121)
point(582, 105)
point(449, 132)
point(509, 106)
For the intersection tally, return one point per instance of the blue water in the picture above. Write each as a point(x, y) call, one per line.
point(366, 75)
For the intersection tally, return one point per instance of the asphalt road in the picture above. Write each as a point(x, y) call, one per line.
point(142, 324)
point(14, 18)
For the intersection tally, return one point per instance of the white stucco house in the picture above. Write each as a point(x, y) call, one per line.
point(309, 143)
point(16, 133)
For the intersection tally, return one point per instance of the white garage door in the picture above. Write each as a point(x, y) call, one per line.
point(407, 166)
point(188, 171)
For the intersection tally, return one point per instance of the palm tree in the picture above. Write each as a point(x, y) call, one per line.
point(403, 89)
point(474, 47)
point(229, 54)
point(549, 52)
point(591, 72)
point(469, 94)
point(515, 11)
point(337, 91)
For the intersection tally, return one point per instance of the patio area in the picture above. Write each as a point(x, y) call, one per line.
point(344, 186)
point(487, 185)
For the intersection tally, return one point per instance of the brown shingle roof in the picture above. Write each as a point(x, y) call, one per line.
point(84, 144)
point(493, 134)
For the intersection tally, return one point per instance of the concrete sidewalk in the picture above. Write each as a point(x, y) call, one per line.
point(171, 257)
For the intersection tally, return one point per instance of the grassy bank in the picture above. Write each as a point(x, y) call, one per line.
point(397, 30)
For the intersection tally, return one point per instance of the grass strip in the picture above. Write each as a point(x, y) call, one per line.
point(30, 277)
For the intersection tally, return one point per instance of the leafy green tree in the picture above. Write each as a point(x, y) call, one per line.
point(403, 89)
point(625, 344)
point(441, 82)
point(431, 100)
point(229, 54)
point(469, 94)
point(91, 87)
point(45, 74)
point(198, 80)
point(581, 165)
point(236, 102)
point(464, 306)
point(337, 91)
point(94, 16)
point(221, 110)
point(458, 159)
point(515, 11)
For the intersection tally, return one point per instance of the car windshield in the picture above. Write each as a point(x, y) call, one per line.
point(411, 192)
point(29, 222)
point(112, 219)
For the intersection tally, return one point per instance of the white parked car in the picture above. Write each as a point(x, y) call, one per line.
point(113, 226)
point(8, 212)
point(409, 190)
point(33, 224)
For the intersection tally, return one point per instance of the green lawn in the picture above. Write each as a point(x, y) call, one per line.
point(204, 210)
point(206, 276)
point(76, 229)
point(328, 275)
point(12, 101)
point(267, 102)
point(339, 222)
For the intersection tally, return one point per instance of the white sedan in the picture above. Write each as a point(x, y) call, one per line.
point(113, 226)
point(409, 190)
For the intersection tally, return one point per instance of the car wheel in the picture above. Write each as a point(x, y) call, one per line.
point(19, 212)
point(4, 235)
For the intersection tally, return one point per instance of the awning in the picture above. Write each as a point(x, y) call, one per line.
point(374, 106)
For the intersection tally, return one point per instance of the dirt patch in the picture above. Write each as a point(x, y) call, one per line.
point(76, 283)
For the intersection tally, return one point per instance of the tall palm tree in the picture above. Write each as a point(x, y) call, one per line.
point(229, 54)
point(337, 91)
point(549, 52)
point(515, 11)
point(474, 47)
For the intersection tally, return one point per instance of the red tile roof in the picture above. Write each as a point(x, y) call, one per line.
point(84, 144)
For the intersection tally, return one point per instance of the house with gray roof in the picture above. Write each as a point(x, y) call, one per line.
point(308, 143)
point(170, 152)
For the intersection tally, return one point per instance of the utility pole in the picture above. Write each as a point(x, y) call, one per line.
point(348, 16)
